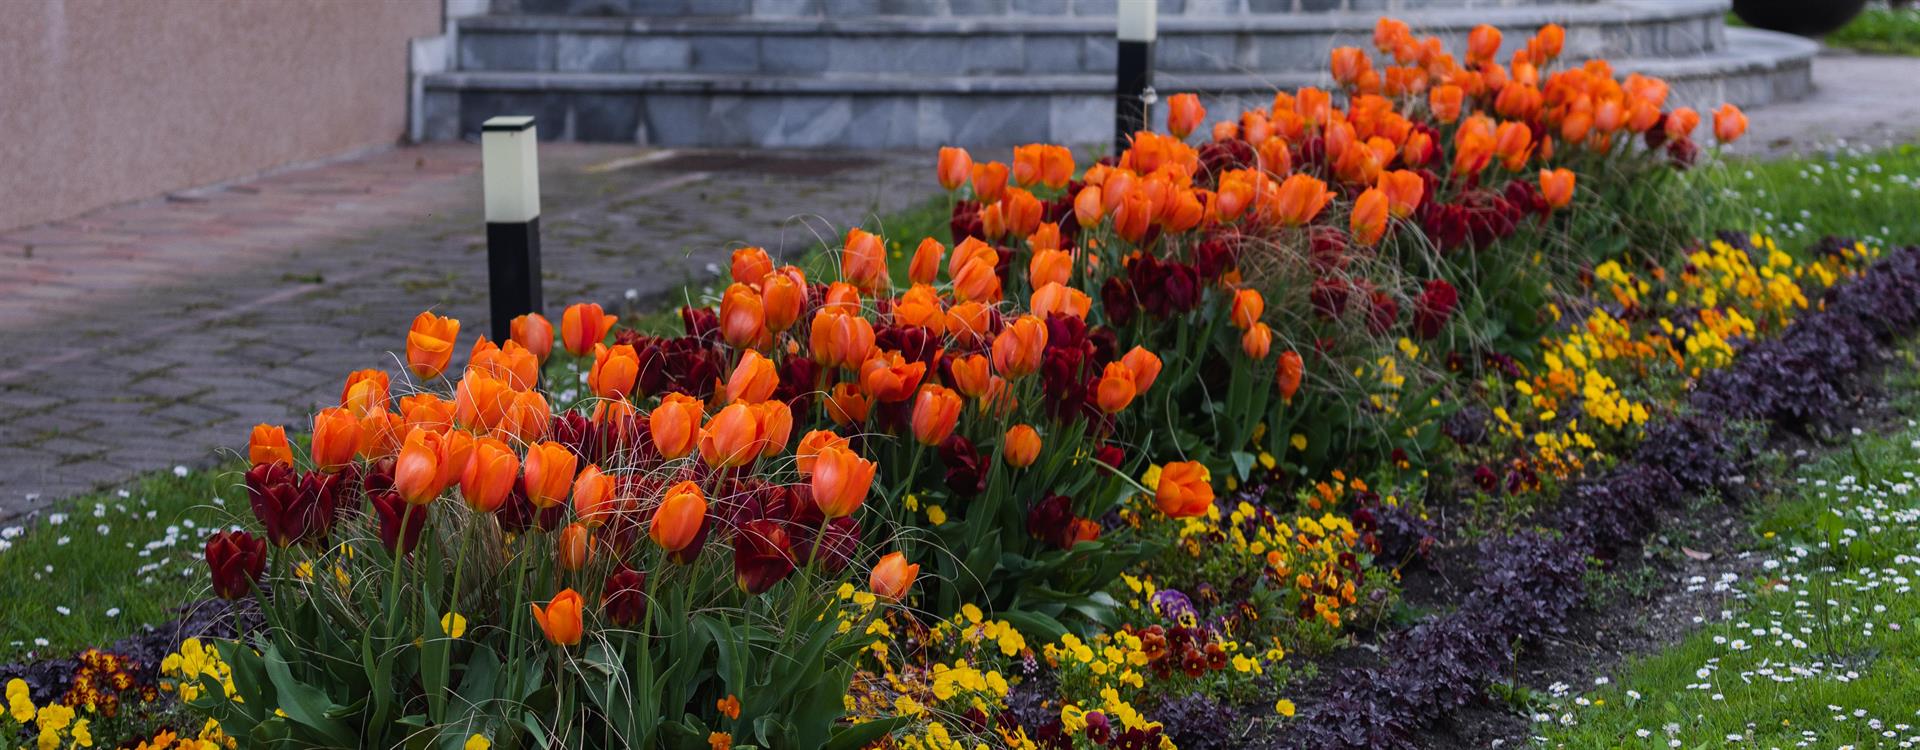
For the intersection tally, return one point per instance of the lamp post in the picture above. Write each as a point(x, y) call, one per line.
point(1138, 26)
point(510, 169)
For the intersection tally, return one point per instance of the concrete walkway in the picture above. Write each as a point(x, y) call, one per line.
point(1866, 101)
point(141, 337)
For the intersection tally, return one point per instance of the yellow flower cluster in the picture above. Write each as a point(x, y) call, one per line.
point(957, 676)
point(57, 724)
point(193, 663)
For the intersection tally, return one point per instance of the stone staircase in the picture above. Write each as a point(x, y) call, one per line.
point(919, 73)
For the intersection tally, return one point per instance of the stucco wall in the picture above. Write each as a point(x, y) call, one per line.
point(104, 101)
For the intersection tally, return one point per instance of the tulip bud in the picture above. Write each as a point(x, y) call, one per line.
point(936, 410)
point(584, 325)
point(750, 265)
point(237, 560)
point(762, 555)
point(1256, 341)
point(624, 599)
point(774, 422)
point(491, 472)
point(782, 296)
point(675, 424)
point(731, 438)
point(841, 480)
point(417, 475)
point(954, 168)
point(1018, 348)
point(1288, 373)
point(615, 370)
point(847, 405)
point(743, 316)
point(893, 577)
point(573, 547)
point(1116, 388)
point(430, 344)
point(549, 473)
point(400, 521)
point(753, 379)
point(336, 438)
point(925, 268)
point(810, 446)
point(1145, 366)
point(561, 619)
point(533, 332)
point(593, 495)
point(1021, 446)
point(682, 514)
point(268, 445)
point(971, 374)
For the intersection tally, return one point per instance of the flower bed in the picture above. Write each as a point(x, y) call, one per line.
point(1148, 427)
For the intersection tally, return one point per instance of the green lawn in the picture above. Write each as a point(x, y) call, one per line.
point(1870, 195)
point(96, 567)
point(1881, 31)
point(1819, 646)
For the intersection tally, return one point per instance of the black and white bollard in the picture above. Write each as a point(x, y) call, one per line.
point(1138, 26)
point(510, 167)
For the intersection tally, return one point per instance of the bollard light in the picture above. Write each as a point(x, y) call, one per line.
point(1137, 29)
point(510, 169)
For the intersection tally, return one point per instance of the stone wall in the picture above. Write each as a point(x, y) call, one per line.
point(103, 101)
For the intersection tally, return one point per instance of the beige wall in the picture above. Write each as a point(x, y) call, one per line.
point(104, 101)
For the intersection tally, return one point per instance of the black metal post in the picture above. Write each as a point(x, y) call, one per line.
point(1134, 79)
point(510, 170)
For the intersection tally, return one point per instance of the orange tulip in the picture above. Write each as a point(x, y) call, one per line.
point(1134, 216)
point(743, 316)
point(426, 410)
point(1547, 44)
point(1116, 388)
point(1287, 374)
point(584, 325)
point(1185, 490)
point(1058, 298)
point(810, 446)
point(533, 332)
point(380, 435)
point(846, 404)
point(888, 377)
point(1018, 348)
point(512, 364)
point(1418, 149)
point(954, 169)
point(977, 281)
point(430, 344)
point(1248, 308)
point(364, 393)
point(1056, 166)
point(1483, 43)
point(892, 577)
point(1347, 65)
point(1049, 267)
point(480, 400)
point(490, 475)
point(1276, 158)
point(1445, 101)
point(970, 374)
point(268, 445)
point(782, 294)
point(573, 547)
point(1729, 123)
point(863, 262)
point(753, 379)
point(925, 268)
point(920, 306)
point(1044, 237)
point(676, 523)
point(935, 412)
point(1513, 143)
point(750, 265)
point(1184, 114)
point(1369, 219)
point(1557, 186)
point(840, 481)
point(593, 495)
point(1681, 123)
point(1300, 198)
point(1404, 190)
point(989, 180)
point(841, 339)
point(1028, 163)
point(561, 620)
point(842, 299)
point(1145, 366)
point(675, 424)
point(614, 412)
point(1021, 445)
point(526, 417)
point(416, 474)
point(1087, 206)
point(774, 422)
point(1576, 126)
point(550, 471)
point(1022, 210)
point(1256, 341)
point(1609, 115)
point(456, 451)
point(731, 438)
point(969, 323)
point(336, 438)
point(614, 371)
point(993, 221)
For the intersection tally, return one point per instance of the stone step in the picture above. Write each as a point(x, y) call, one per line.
point(1039, 8)
point(902, 110)
point(1012, 45)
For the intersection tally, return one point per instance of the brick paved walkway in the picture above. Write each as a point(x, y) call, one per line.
point(145, 336)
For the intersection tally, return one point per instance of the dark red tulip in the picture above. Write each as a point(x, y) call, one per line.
point(624, 598)
point(762, 555)
point(236, 559)
point(400, 522)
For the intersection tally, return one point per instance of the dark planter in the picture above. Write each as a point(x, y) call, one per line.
point(1803, 17)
